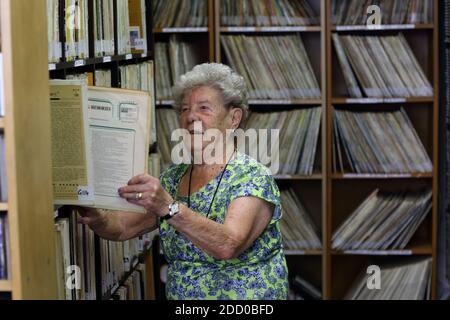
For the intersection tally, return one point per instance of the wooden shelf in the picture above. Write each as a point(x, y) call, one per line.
point(325, 206)
point(385, 27)
point(319, 46)
point(28, 132)
point(5, 286)
point(415, 175)
point(381, 100)
point(3, 206)
point(94, 61)
point(271, 29)
point(317, 176)
point(424, 249)
point(284, 101)
point(181, 30)
point(260, 102)
point(303, 252)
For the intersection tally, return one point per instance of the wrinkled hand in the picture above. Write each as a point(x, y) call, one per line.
point(91, 216)
point(154, 198)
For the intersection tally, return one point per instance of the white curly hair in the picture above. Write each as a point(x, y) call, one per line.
point(230, 85)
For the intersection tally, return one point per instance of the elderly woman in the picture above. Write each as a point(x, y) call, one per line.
point(218, 223)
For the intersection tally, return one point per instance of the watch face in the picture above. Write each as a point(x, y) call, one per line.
point(173, 209)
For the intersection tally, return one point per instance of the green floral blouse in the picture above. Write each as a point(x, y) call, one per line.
point(258, 273)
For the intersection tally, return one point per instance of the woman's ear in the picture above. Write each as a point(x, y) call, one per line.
point(236, 117)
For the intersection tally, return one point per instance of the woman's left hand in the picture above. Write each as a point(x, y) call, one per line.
point(146, 191)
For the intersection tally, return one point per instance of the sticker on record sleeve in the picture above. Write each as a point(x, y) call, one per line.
point(85, 193)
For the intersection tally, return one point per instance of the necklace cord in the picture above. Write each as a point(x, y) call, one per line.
point(217, 188)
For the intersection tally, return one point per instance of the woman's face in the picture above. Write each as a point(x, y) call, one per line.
point(204, 105)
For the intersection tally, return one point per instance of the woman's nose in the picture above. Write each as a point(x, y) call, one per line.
point(192, 116)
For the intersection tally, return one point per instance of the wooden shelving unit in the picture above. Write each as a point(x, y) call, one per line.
point(26, 127)
point(312, 189)
point(64, 68)
point(423, 39)
point(331, 196)
point(203, 37)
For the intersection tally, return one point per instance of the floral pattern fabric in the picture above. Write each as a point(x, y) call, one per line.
point(258, 273)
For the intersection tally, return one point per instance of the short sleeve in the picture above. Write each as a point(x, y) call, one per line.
point(163, 179)
point(169, 178)
point(256, 181)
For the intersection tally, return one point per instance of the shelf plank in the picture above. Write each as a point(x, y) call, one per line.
point(414, 175)
point(5, 286)
point(3, 206)
point(256, 102)
point(303, 252)
point(383, 27)
point(181, 30)
point(424, 249)
point(93, 61)
point(272, 29)
point(339, 100)
point(317, 176)
point(284, 101)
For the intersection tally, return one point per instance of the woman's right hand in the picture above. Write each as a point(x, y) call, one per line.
point(92, 217)
point(116, 225)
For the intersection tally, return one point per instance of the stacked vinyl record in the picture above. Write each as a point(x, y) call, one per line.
point(383, 221)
